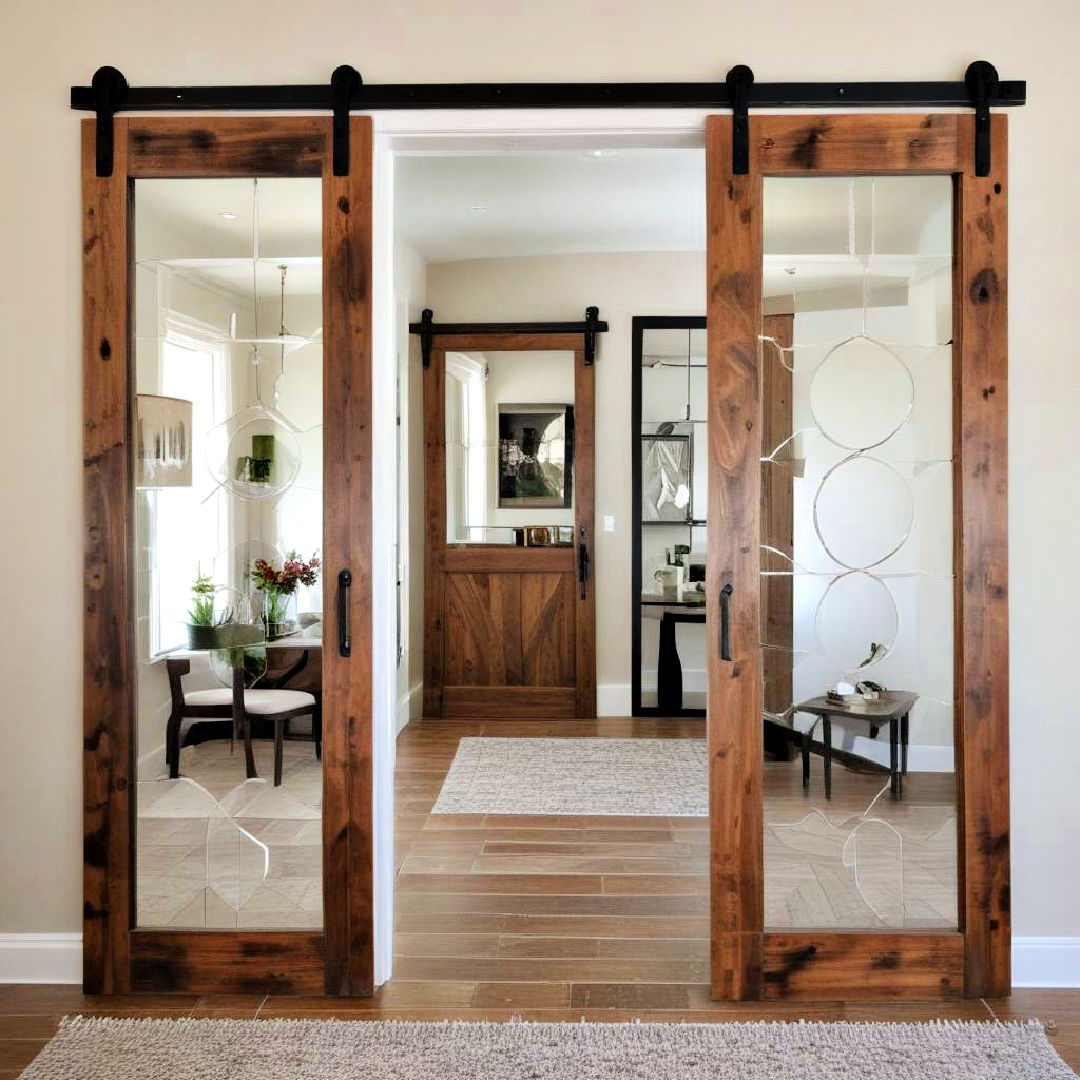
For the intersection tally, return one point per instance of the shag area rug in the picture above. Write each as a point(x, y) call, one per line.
point(103, 1049)
point(632, 777)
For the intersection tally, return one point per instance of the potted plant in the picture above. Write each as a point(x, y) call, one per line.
point(278, 588)
point(201, 613)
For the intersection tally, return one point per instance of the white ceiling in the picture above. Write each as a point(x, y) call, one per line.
point(456, 207)
point(452, 207)
point(183, 218)
point(480, 206)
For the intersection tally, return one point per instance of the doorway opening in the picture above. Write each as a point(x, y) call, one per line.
point(552, 848)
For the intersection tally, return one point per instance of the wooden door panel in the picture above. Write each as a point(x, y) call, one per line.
point(339, 959)
point(483, 639)
point(509, 630)
point(509, 702)
point(747, 960)
point(547, 629)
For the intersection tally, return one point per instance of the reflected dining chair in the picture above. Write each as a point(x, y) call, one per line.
point(243, 706)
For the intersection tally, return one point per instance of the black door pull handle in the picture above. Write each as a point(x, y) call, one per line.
point(582, 565)
point(725, 621)
point(344, 580)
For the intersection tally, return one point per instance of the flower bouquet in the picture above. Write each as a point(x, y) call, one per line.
point(279, 586)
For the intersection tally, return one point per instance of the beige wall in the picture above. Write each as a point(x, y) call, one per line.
point(49, 45)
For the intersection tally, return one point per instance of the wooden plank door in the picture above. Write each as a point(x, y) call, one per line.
point(761, 949)
point(509, 630)
point(119, 954)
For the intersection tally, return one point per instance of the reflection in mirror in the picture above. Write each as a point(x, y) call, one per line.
point(673, 457)
point(857, 587)
point(228, 324)
point(510, 448)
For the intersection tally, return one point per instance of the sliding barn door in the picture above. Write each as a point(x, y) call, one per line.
point(857, 545)
point(227, 341)
point(509, 594)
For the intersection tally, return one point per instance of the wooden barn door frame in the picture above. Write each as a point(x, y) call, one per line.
point(437, 552)
point(117, 957)
point(747, 961)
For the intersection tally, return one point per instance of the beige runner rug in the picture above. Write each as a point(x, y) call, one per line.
point(105, 1049)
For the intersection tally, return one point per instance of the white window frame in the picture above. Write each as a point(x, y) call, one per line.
point(185, 332)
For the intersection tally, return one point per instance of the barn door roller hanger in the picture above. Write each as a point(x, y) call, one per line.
point(981, 90)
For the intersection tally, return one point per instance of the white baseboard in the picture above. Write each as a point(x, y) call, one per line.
point(40, 958)
point(613, 699)
point(57, 958)
point(151, 765)
point(408, 706)
point(920, 758)
point(1046, 961)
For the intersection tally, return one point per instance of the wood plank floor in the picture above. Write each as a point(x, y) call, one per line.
point(554, 919)
point(575, 909)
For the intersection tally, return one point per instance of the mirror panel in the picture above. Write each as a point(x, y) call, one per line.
point(229, 379)
point(510, 448)
point(857, 550)
point(673, 496)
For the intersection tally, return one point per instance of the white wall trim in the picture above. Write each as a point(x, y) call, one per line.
point(613, 699)
point(920, 758)
point(40, 958)
point(151, 765)
point(1046, 961)
point(408, 705)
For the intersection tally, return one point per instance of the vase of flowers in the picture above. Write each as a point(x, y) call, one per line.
point(279, 587)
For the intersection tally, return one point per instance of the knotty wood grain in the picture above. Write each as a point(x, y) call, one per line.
point(818, 966)
point(347, 542)
point(109, 709)
point(980, 537)
point(856, 143)
point(735, 741)
point(223, 146)
point(224, 962)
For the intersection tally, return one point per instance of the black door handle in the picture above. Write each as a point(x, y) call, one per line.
point(582, 564)
point(725, 621)
point(344, 580)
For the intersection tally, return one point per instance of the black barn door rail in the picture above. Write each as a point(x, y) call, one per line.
point(427, 328)
point(347, 91)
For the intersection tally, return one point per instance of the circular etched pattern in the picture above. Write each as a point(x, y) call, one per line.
point(863, 512)
point(254, 454)
point(856, 612)
point(861, 394)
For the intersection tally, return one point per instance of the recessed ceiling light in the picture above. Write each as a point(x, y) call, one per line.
point(600, 153)
point(227, 215)
point(479, 208)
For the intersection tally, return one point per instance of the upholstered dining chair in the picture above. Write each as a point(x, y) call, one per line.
point(243, 706)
